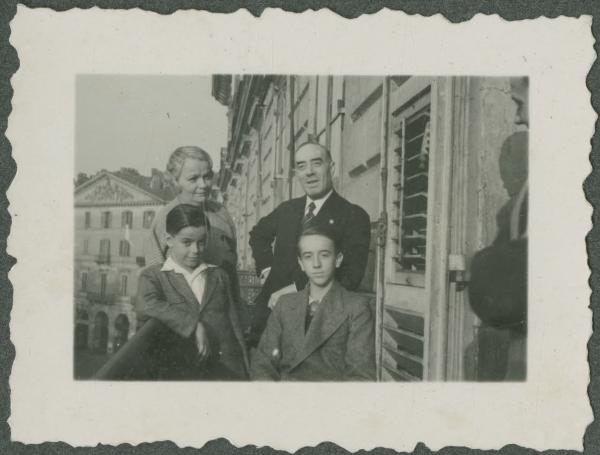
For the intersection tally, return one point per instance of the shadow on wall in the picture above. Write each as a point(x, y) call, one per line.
point(367, 284)
point(498, 287)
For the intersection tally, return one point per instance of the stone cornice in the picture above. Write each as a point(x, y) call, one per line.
point(120, 204)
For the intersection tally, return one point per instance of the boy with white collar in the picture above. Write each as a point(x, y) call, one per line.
point(193, 300)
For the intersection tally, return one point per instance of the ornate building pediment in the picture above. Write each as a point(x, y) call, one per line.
point(109, 190)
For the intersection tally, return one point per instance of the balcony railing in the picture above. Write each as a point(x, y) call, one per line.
point(123, 299)
point(153, 353)
point(99, 297)
point(130, 362)
point(249, 286)
point(103, 259)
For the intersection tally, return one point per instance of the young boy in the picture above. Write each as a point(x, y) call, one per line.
point(193, 300)
point(322, 333)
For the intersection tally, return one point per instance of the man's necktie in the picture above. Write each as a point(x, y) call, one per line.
point(310, 312)
point(309, 216)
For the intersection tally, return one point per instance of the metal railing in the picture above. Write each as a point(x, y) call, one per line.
point(103, 259)
point(132, 362)
point(99, 297)
point(249, 286)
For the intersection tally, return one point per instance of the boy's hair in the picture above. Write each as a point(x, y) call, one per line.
point(185, 215)
point(318, 230)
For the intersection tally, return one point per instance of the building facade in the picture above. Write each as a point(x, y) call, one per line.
point(113, 215)
point(422, 156)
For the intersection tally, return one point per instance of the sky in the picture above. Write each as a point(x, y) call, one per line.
point(137, 121)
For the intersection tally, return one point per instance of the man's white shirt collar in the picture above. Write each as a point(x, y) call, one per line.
point(318, 202)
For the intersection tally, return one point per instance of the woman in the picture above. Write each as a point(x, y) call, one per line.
point(190, 171)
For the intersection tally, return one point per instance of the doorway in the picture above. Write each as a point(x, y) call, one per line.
point(101, 332)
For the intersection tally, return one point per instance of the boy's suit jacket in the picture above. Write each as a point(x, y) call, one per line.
point(338, 346)
point(282, 226)
point(167, 297)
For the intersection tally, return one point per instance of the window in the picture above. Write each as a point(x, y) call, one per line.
point(105, 248)
point(84, 278)
point(127, 219)
point(103, 284)
point(124, 285)
point(88, 220)
point(86, 246)
point(124, 248)
point(106, 220)
point(411, 185)
point(148, 218)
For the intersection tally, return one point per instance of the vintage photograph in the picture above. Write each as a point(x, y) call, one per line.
point(289, 229)
point(248, 227)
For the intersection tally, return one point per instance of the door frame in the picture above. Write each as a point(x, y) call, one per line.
point(437, 278)
point(438, 232)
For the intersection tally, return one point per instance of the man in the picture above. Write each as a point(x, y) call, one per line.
point(498, 286)
point(320, 206)
point(517, 350)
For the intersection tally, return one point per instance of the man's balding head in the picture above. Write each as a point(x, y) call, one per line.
point(314, 169)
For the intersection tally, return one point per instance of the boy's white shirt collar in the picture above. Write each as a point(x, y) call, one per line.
point(195, 279)
point(318, 202)
point(171, 266)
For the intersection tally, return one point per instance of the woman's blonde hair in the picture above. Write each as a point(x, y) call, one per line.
point(178, 157)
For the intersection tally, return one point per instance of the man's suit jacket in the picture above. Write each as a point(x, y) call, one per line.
point(338, 346)
point(348, 221)
point(167, 297)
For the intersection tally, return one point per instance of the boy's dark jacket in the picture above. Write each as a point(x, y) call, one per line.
point(167, 297)
point(338, 346)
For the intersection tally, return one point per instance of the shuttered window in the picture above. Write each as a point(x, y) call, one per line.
point(404, 332)
point(106, 220)
point(104, 247)
point(148, 219)
point(411, 183)
point(403, 345)
point(84, 278)
point(103, 281)
point(127, 219)
point(124, 248)
point(124, 285)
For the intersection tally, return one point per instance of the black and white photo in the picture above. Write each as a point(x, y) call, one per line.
point(420, 183)
point(286, 229)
